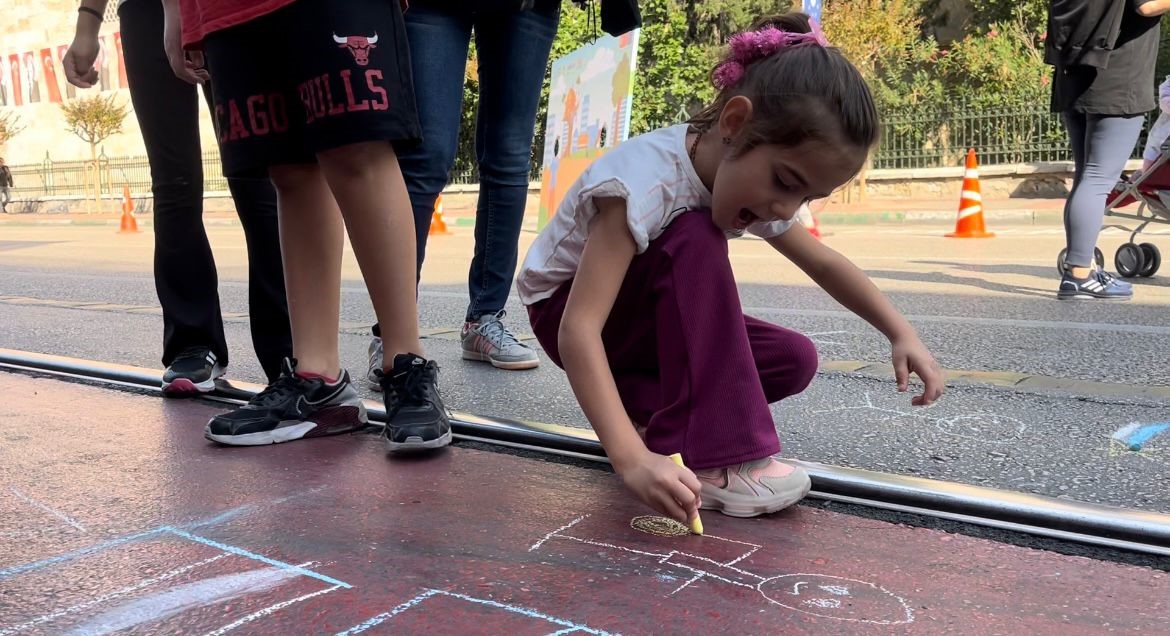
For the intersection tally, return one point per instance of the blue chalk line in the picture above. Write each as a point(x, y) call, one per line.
point(1135, 435)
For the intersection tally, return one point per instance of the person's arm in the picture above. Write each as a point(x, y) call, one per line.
point(79, 59)
point(668, 488)
point(1152, 8)
point(186, 65)
point(848, 285)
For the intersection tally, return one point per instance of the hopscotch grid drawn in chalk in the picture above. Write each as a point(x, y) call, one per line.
point(256, 557)
point(45, 618)
point(180, 532)
point(172, 601)
point(815, 606)
point(569, 626)
point(967, 425)
point(56, 513)
point(271, 609)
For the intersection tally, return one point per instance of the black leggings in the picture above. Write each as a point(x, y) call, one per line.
point(184, 269)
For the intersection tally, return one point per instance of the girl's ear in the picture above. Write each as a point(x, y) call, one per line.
point(736, 115)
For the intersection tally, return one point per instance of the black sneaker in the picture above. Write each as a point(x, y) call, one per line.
point(193, 371)
point(415, 416)
point(1097, 285)
point(290, 408)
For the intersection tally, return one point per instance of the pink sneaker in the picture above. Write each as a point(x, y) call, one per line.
point(752, 488)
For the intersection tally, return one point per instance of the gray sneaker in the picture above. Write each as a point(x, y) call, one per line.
point(375, 353)
point(490, 341)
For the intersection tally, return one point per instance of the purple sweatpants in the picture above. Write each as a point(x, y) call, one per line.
point(689, 365)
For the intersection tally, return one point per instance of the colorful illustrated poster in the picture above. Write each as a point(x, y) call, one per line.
point(52, 87)
point(589, 104)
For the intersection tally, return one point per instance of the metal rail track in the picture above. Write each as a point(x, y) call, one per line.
point(1093, 524)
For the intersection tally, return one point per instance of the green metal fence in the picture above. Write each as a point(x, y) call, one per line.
point(911, 138)
point(1003, 134)
point(52, 178)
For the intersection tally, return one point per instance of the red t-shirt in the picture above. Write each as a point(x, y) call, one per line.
point(202, 17)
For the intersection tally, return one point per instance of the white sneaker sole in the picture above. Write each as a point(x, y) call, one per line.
point(283, 434)
point(516, 365)
point(184, 386)
point(413, 444)
point(737, 505)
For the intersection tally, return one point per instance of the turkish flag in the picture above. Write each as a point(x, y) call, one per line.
point(51, 84)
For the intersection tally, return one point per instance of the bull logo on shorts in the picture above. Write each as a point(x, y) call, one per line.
point(359, 45)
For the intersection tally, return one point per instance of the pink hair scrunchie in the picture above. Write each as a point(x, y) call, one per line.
point(752, 46)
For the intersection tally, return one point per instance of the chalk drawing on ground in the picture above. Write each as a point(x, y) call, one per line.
point(823, 595)
point(991, 428)
point(819, 339)
point(71, 522)
point(1122, 450)
point(159, 597)
point(562, 626)
point(659, 526)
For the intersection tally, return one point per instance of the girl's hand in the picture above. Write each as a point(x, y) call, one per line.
point(911, 356)
point(663, 485)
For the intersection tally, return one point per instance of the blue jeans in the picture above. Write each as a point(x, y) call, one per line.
point(513, 50)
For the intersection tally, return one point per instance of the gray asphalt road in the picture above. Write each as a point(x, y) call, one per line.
point(975, 311)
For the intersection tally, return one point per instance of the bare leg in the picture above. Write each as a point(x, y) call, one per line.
point(367, 183)
point(311, 243)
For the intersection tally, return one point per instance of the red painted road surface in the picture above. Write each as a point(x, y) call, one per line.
point(117, 516)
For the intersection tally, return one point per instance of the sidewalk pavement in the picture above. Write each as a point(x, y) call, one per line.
point(459, 211)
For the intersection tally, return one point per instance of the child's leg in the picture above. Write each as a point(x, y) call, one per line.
point(786, 360)
point(311, 240)
point(356, 92)
point(367, 183)
point(680, 351)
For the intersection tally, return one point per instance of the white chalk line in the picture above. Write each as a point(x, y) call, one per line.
point(569, 626)
point(56, 513)
point(560, 529)
point(271, 609)
point(110, 596)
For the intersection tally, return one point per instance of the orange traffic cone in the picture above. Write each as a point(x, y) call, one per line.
point(970, 223)
point(129, 223)
point(438, 225)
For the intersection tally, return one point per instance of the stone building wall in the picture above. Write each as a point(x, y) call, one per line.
point(44, 28)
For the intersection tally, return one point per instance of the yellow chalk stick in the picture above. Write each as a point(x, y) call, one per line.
point(697, 523)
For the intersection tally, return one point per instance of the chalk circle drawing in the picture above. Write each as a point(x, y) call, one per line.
point(822, 595)
point(983, 427)
point(838, 598)
point(992, 428)
point(659, 526)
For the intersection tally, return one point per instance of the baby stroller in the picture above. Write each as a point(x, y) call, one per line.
point(1150, 189)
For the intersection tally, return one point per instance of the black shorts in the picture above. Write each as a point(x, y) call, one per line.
point(312, 76)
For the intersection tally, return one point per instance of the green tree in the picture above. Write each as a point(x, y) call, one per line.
point(10, 126)
point(1031, 15)
point(94, 119)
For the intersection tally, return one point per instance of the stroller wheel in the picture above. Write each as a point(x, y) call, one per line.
point(1129, 260)
point(1153, 259)
point(1098, 256)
